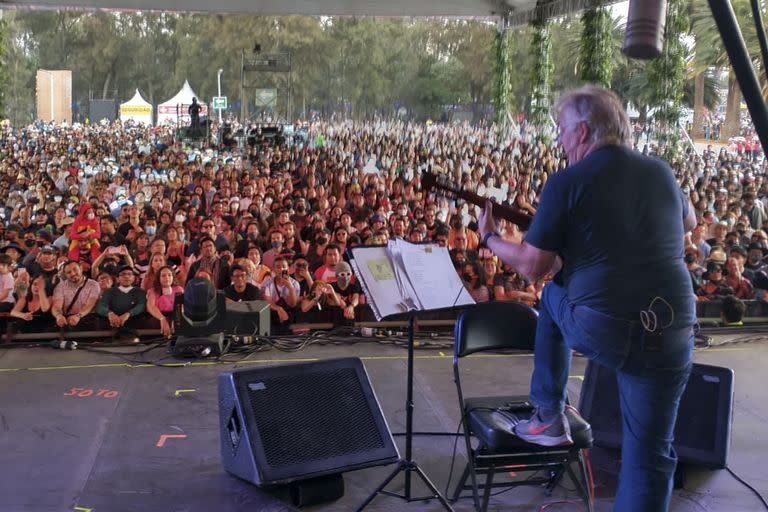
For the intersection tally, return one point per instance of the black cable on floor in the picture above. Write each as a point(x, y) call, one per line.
point(748, 486)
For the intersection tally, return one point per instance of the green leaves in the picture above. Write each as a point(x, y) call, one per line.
point(596, 56)
point(667, 75)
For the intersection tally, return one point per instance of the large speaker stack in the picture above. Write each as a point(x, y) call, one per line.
point(301, 422)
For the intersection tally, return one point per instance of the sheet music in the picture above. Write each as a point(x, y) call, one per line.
point(403, 276)
point(430, 269)
point(374, 269)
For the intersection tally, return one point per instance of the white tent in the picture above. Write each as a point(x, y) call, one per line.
point(177, 108)
point(136, 109)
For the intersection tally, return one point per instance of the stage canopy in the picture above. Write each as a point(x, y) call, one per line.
point(516, 11)
point(136, 109)
point(177, 108)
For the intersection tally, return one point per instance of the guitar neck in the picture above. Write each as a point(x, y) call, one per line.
point(503, 211)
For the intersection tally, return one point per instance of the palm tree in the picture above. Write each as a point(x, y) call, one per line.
point(709, 52)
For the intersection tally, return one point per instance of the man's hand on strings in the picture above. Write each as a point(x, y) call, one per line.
point(485, 223)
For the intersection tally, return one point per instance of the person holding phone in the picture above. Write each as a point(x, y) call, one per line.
point(282, 291)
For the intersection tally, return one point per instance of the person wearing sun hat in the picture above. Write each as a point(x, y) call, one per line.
point(714, 286)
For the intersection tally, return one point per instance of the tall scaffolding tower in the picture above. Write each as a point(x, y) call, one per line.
point(254, 69)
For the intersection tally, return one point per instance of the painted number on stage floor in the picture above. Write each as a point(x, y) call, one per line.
point(85, 393)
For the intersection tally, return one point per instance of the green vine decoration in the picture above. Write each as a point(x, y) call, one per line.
point(666, 75)
point(502, 94)
point(596, 55)
point(541, 74)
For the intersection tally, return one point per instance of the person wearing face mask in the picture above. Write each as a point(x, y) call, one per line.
point(755, 260)
point(316, 250)
point(150, 226)
point(299, 218)
point(347, 289)
point(474, 281)
point(85, 234)
point(277, 248)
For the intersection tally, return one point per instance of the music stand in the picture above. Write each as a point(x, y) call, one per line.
point(406, 464)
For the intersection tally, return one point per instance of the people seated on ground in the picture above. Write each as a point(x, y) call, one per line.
point(74, 299)
point(7, 285)
point(474, 281)
point(123, 305)
point(176, 250)
point(741, 286)
point(282, 291)
point(755, 259)
point(140, 253)
point(491, 270)
point(260, 271)
point(513, 286)
point(156, 262)
point(277, 248)
point(347, 290)
point(161, 297)
point(85, 234)
point(15, 252)
point(321, 303)
point(327, 271)
point(106, 279)
point(45, 266)
point(696, 271)
point(32, 309)
point(209, 260)
point(302, 275)
point(714, 286)
point(241, 290)
point(110, 259)
point(732, 311)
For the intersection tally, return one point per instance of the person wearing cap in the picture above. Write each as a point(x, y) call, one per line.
point(44, 267)
point(122, 305)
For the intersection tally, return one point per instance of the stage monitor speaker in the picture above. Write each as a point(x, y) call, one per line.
point(703, 428)
point(248, 318)
point(299, 421)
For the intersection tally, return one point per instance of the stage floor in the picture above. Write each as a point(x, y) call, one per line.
point(146, 437)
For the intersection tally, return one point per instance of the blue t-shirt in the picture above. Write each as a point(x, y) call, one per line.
point(616, 219)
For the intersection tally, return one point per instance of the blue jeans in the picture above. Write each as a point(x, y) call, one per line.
point(651, 373)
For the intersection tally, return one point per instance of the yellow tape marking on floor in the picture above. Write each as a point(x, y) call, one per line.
point(440, 355)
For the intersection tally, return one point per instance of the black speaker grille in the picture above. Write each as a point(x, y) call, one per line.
point(313, 416)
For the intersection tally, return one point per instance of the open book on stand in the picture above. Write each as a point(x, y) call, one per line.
point(402, 277)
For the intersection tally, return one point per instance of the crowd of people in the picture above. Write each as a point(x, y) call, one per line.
point(103, 224)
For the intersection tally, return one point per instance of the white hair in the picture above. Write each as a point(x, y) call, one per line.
point(601, 109)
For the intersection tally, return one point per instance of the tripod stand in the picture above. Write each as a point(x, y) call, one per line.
point(408, 464)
